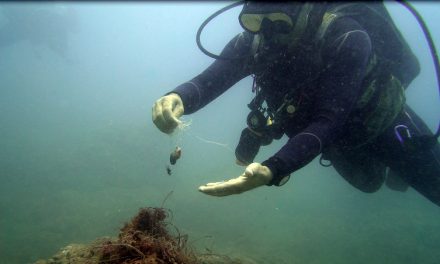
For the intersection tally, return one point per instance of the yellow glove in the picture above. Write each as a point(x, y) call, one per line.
point(255, 175)
point(166, 112)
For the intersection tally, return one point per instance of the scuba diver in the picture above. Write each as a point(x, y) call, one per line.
point(332, 78)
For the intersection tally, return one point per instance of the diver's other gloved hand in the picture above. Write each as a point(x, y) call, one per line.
point(254, 176)
point(166, 112)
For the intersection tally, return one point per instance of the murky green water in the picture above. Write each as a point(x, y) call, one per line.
point(79, 153)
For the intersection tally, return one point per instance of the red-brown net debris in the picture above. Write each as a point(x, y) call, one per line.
point(146, 240)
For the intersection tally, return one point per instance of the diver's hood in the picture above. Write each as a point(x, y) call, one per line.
point(289, 8)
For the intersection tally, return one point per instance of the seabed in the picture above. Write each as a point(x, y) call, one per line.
point(146, 239)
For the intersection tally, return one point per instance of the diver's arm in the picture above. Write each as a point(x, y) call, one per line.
point(338, 92)
point(218, 77)
point(193, 95)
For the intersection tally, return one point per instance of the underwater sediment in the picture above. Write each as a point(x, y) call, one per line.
point(144, 240)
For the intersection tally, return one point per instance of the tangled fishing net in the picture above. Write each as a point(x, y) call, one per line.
point(144, 240)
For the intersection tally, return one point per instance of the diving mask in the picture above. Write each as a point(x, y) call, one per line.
point(271, 22)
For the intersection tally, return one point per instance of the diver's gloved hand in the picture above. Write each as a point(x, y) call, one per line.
point(166, 112)
point(254, 176)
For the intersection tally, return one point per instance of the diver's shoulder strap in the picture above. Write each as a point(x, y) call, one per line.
point(330, 16)
point(301, 24)
point(389, 45)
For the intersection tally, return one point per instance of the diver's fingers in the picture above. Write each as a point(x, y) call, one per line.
point(214, 183)
point(224, 188)
point(177, 108)
point(157, 111)
point(220, 190)
point(158, 117)
point(168, 113)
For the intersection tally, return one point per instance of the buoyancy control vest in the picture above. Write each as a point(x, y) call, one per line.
point(390, 70)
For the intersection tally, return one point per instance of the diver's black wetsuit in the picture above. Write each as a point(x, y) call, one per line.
point(324, 105)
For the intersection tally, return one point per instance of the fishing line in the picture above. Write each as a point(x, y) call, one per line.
point(184, 127)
